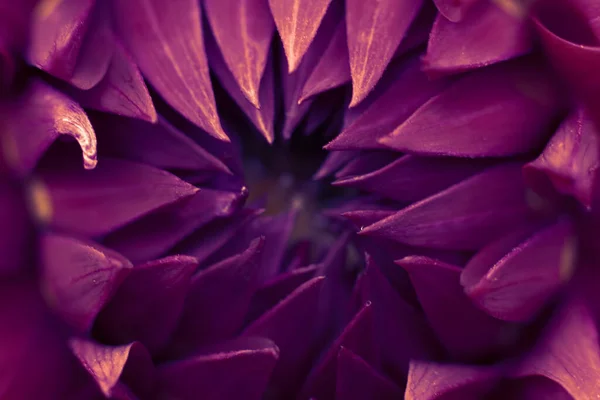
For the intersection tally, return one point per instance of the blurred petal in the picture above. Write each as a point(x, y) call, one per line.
point(79, 278)
point(149, 302)
point(16, 232)
point(167, 44)
point(374, 31)
point(454, 10)
point(117, 192)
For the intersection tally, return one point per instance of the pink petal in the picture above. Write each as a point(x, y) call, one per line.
point(79, 278)
point(357, 380)
point(570, 159)
point(239, 370)
point(147, 306)
point(464, 330)
point(465, 216)
point(243, 31)
point(167, 44)
point(473, 112)
point(48, 114)
point(454, 10)
point(117, 192)
point(518, 285)
point(486, 35)
point(374, 31)
point(297, 22)
point(290, 325)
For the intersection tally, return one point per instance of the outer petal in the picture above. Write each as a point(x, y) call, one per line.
point(167, 44)
point(79, 278)
point(99, 201)
point(465, 216)
point(374, 31)
point(473, 112)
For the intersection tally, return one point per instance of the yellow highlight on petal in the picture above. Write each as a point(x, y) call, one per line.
point(40, 202)
point(45, 7)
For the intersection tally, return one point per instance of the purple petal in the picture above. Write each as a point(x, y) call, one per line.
point(366, 163)
point(243, 31)
point(480, 103)
point(109, 364)
point(465, 216)
point(333, 162)
point(463, 329)
point(290, 324)
point(122, 91)
point(153, 235)
point(49, 114)
point(570, 159)
point(374, 31)
point(79, 278)
point(117, 192)
point(167, 44)
point(516, 287)
point(239, 370)
point(218, 300)
point(486, 35)
point(454, 10)
point(357, 380)
point(149, 302)
point(362, 218)
point(16, 232)
point(297, 22)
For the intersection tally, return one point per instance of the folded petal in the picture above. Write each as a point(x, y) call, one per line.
point(239, 370)
point(149, 302)
point(117, 192)
point(374, 31)
point(79, 278)
point(465, 216)
point(473, 113)
point(167, 44)
point(454, 10)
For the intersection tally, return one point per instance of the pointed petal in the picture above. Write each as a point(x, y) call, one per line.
point(570, 159)
point(109, 364)
point(454, 10)
point(117, 192)
point(477, 103)
point(49, 114)
point(290, 325)
point(297, 22)
point(517, 286)
point(168, 47)
point(465, 216)
point(243, 31)
point(357, 380)
point(486, 35)
point(239, 370)
point(366, 163)
point(79, 278)
point(463, 329)
point(374, 31)
point(147, 306)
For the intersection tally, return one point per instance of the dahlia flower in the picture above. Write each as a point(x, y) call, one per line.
point(299, 199)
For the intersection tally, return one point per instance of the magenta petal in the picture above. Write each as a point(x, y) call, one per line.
point(109, 364)
point(79, 278)
point(463, 329)
point(167, 44)
point(48, 114)
point(486, 35)
point(407, 90)
point(357, 380)
point(465, 216)
point(122, 91)
point(454, 10)
point(218, 300)
point(149, 302)
point(117, 192)
point(290, 324)
point(568, 353)
point(374, 31)
point(570, 159)
point(429, 381)
point(473, 113)
point(16, 231)
point(517, 286)
point(243, 31)
point(57, 34)
point(239, 370)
